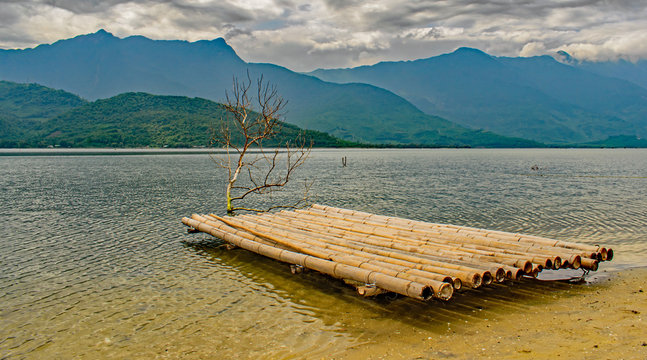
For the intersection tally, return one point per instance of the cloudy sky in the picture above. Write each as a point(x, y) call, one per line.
point(305, 35)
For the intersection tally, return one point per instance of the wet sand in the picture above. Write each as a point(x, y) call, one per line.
point(599, 320)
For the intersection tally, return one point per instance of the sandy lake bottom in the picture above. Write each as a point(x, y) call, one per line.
point(600, 320)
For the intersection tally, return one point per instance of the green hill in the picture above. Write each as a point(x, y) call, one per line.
point(35, 102)
point(126, 120)
point(141, 119)
point(23, 107)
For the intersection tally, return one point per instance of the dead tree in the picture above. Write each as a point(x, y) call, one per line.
point(249, 122)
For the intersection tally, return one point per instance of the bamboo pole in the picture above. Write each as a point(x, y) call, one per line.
point(412, 258)
point(442, 290)
point(363, 244)
point(604, 252)
point(500, 271)
point(437, 240)
point(420, 247)
point(390, 283)
point(454, 228)
point(323, 240)
point(466, 275)
point(590, 264)
point(531, 249)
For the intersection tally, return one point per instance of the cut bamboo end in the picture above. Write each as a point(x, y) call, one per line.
point(457, 283)
point(548, 264)
point(444, 292)
point(474, 280)
point(517, 274)
point(575, 262)
point(609, 254)
point(523, 264)
point(428, 293)
point(487, 278)
point(499, 275)
point(590, 264)
point(603, 254)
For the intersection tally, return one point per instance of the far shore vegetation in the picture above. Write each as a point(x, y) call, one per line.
point(34, 116)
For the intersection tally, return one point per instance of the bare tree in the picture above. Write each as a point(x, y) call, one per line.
point(249, 122)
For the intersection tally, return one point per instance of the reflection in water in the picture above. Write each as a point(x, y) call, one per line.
point(95, 262)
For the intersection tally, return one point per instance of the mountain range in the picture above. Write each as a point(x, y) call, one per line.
point(535, 98)
point(635, 72)
point(465, 98)
point(101, 65)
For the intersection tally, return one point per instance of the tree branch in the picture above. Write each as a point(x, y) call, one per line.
point(243, 129)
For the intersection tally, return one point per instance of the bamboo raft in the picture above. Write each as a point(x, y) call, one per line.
point(379, 254)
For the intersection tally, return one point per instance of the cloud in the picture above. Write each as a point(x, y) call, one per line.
point(433, 33)
point(533, 48)
point(304, 35)
point(630, 46)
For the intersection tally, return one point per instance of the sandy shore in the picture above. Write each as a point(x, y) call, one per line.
point(598, 320)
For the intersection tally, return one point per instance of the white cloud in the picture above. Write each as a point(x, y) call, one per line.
point(629, 46)
point(430, 33)
point(533, 48)
point(304, 35)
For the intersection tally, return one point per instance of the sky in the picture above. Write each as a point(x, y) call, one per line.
point(306, 35)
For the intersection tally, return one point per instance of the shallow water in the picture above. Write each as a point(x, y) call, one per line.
point(94, 261)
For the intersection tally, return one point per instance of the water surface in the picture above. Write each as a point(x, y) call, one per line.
point(95, 263)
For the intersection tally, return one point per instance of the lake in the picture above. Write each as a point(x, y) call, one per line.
point(95, 263)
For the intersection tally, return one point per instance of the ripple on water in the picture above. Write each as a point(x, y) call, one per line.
point(96, 264)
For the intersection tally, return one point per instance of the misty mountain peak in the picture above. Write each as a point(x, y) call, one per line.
point(470, 51)
point(101, 34)
point(565, 58)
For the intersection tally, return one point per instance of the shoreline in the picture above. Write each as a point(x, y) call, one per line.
point(600, 319)
point(20, 152)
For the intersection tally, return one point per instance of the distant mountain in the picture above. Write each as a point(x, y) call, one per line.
point(635, 72)
point(126, 120)
point(101, 65)
point(536, 98)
